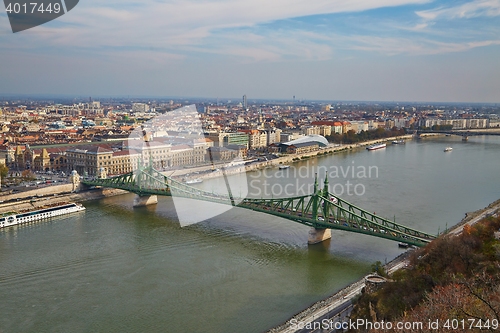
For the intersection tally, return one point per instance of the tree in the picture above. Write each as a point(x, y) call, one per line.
point(453, 277)
point(28, 175)
point(4, 171)
point(378, 268)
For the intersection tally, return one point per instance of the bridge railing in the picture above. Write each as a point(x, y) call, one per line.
point(320, 210)
point(347, 211)
point(361, 221)
point(336, 214)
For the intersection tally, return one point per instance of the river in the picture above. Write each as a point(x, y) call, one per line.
point(114, 268)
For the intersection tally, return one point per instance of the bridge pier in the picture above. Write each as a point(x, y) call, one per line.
point(318, 235)
point(145, 200)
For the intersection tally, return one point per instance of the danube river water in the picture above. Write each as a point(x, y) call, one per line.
point(114, 268)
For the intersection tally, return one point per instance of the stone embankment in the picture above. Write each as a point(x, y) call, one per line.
point(342, 296)
point(52, 194)
point(287, 159)
point(39, 192)
point(319, 308)
point(471, 218)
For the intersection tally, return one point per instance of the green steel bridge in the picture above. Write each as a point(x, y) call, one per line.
point(320, 210)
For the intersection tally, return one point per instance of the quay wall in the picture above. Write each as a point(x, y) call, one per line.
point(54, 196)
point(42, 191)
point(312, 312)
point(287, 159)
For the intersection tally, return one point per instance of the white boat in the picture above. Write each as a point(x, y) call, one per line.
point(397, 142)
point(377, 146)
point(448, 149)
point(284, 167)
point(41, 213)
point(194, 181)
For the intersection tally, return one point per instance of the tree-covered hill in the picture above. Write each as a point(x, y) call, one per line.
point(455, 280)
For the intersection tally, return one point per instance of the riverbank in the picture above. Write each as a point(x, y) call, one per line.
point(339, 298)
point(474, 217)
point(344, 295)
point(204, 171)
point(20, 201)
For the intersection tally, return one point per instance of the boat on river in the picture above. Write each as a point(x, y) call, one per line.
point(194, 181)
point(45, 212)
point(282, 167)
point(376, 146)
point(448, 149)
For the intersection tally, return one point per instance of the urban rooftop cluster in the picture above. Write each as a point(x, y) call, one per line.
point(88, 135)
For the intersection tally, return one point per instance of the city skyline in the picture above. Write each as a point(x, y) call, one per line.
point(391, 50)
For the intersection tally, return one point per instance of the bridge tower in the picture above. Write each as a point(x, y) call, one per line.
point(318, 235)
point(103, 174)
point(75, 180)
point(141, 180)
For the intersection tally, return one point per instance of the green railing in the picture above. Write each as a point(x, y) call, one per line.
point(320, 210)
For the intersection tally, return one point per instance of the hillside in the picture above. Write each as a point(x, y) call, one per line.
point(451, 285)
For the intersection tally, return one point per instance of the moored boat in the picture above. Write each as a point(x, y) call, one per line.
point(284, 167)
point(194, 181)
point(376, 146)
point(398, 142)
point(40, 213)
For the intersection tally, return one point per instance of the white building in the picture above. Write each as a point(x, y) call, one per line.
point(140, 107)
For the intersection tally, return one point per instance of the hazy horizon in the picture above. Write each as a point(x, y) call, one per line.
point(226, 100)
point(438, 51)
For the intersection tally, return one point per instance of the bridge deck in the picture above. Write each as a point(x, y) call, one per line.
point(321, 210)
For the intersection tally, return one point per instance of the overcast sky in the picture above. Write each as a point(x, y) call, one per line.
point(385, 50)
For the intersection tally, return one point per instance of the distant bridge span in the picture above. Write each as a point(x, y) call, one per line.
point(465, 133)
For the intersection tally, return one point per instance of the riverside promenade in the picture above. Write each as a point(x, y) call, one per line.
point(200, 172)
point(52, 194)
point(335, 306)
point(341, 300)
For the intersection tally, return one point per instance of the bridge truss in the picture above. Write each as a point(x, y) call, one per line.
point(320, 210)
